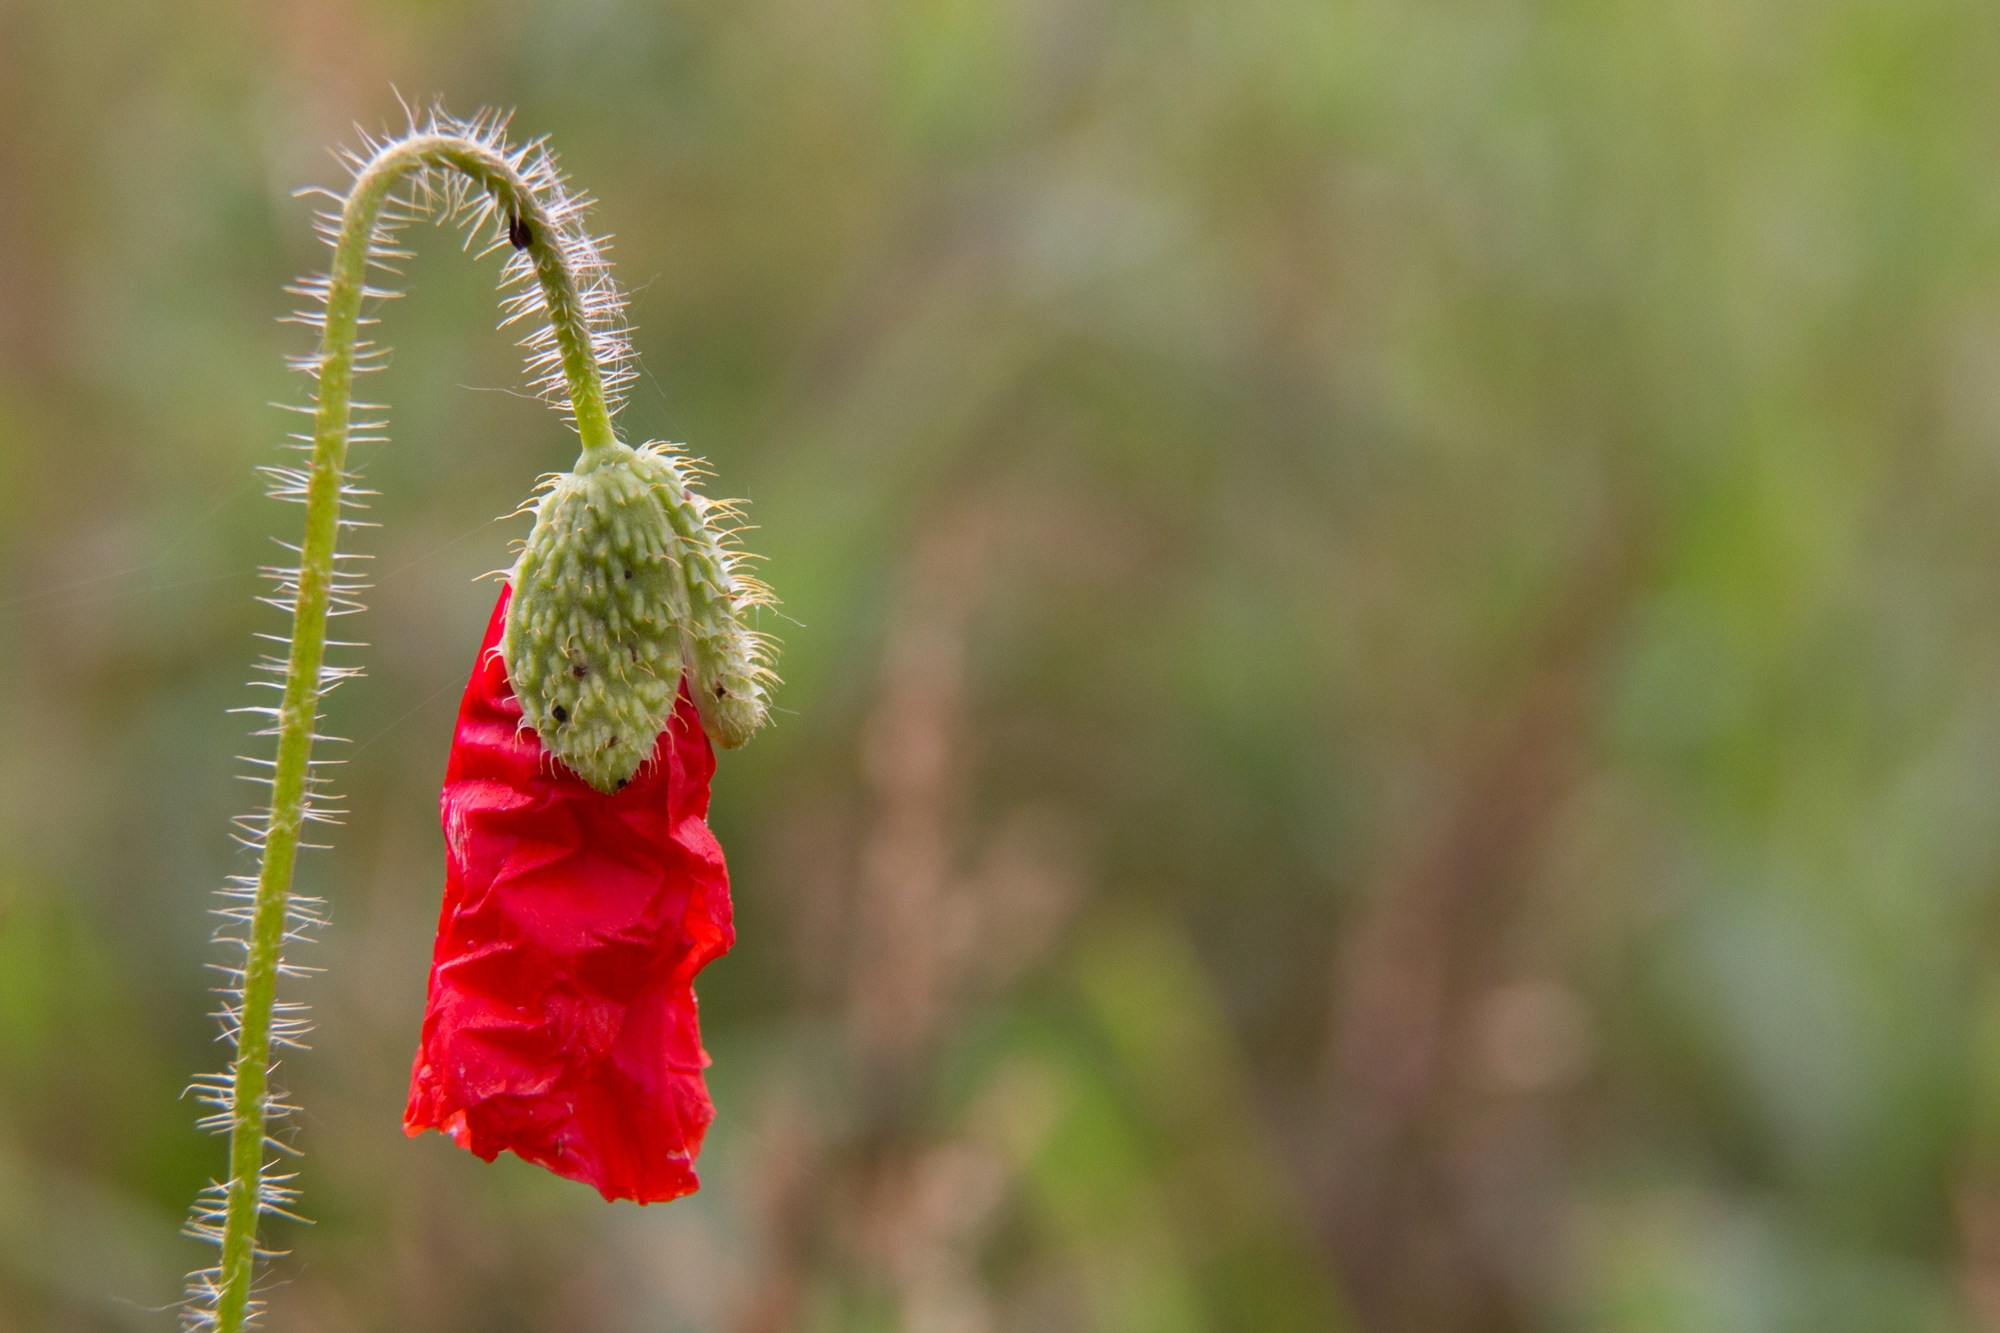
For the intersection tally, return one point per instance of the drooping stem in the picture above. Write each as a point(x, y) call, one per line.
point(530, 227)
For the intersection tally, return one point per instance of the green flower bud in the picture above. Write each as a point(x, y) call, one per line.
point(623, 583)
point(725, 659)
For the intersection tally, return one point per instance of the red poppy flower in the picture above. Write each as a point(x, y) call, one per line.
point(561, 1021)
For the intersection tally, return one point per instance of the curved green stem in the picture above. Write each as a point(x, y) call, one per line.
point(491, 171)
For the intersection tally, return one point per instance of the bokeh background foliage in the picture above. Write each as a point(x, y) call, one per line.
point(1394, 705)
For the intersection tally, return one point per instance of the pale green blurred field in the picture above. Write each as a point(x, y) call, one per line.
point(1392, 709)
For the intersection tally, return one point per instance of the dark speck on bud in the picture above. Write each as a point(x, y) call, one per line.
point(559, 713)
point(519, 233)
point(579, 671)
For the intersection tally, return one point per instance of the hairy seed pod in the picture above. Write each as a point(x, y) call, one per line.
point(623, 583)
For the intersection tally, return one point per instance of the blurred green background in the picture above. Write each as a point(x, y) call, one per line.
point(1393, 698)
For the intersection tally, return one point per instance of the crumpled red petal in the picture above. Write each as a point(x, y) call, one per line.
point(561, 1020)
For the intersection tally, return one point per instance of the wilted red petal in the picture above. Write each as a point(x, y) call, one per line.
point(561, 1022)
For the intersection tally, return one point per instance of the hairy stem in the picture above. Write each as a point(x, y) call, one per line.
point(532, 229)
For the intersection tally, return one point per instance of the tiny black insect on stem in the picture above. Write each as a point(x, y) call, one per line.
point(519, 233)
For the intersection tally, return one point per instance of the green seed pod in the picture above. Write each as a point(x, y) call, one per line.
point(623, 582)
